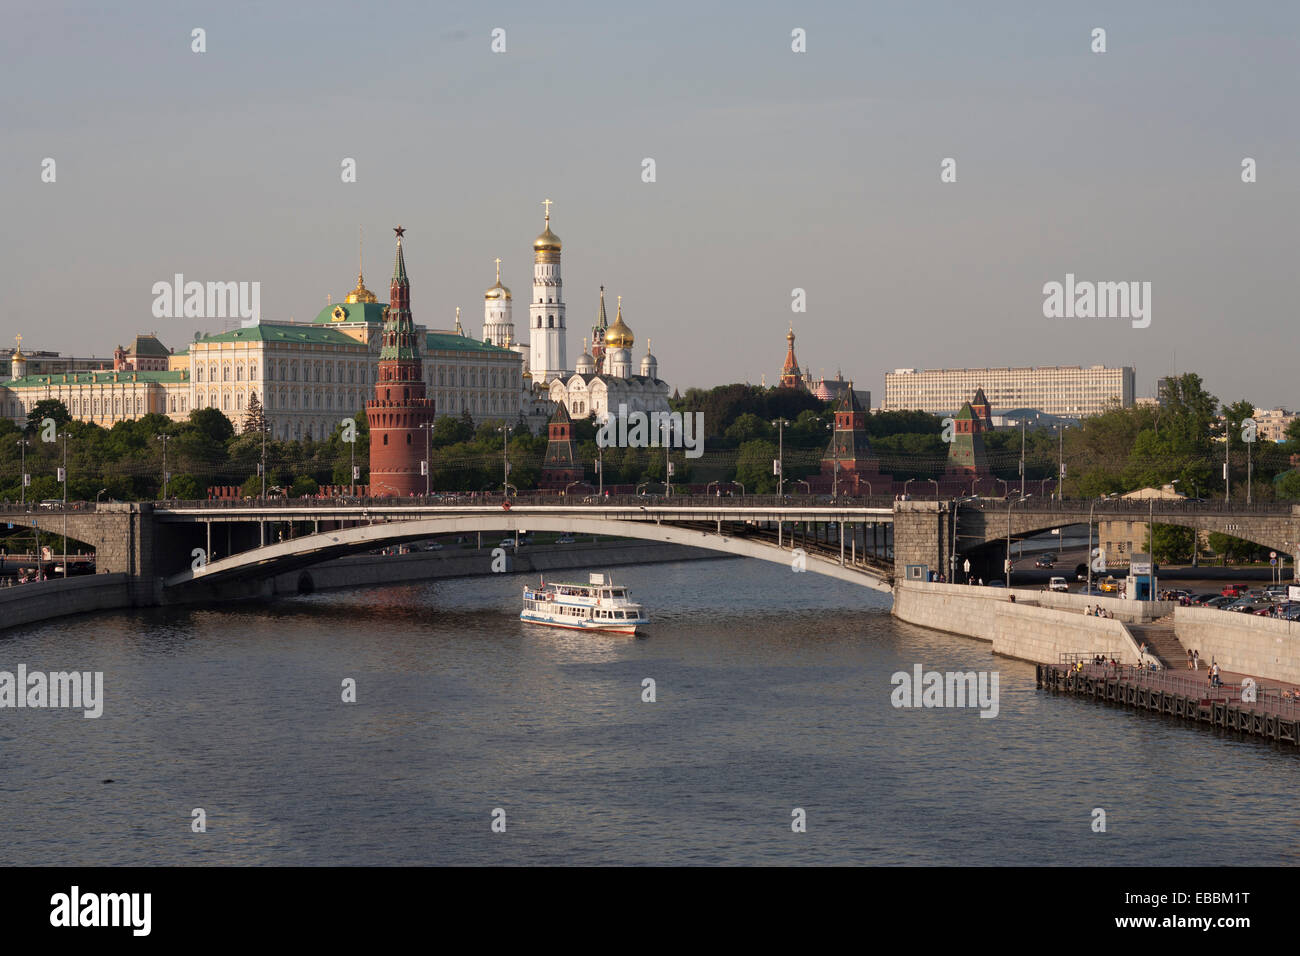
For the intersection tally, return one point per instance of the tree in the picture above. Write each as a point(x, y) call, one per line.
point(1172, 543)
point(255, 418)
point(754, 466)
point(47, 408)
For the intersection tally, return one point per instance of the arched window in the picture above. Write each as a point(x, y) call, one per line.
point(550, 321)
point(239, 373)
point(408, 438)
point(198, 377)
point(385, 439)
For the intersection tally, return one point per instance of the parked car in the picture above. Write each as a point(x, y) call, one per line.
point(1233, 590)
point(1202, 599)
point(1217, 603)
point(1058, 584)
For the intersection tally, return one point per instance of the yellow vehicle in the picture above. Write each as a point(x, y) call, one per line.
point(1109, 583)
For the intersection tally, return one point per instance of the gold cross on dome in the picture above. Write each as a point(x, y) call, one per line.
point(498, 261)
point(547, 204)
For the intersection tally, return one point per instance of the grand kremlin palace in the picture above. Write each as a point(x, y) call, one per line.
point(307, 376)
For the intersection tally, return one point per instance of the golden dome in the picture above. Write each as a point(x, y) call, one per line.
point(547, 241)
point(498, 291)
point(619, 335)
point(360, 293)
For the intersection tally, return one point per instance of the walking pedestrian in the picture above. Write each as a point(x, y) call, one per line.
point(1196, 660)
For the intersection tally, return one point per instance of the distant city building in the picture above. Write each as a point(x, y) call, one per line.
point(1064, 391)
point(1273, 423)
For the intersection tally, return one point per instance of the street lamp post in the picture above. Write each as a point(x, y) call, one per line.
point(936, 487)
point(906, 484)
point(1004, 486)
point(1022, 458)
point(1088, 556)
point(64, 470)
point(1227, 461)
point(428, 463)
point(600, 470)
point(262, 469)
point(22, 469)
point(667, 429)
point(1010, 505)
point(164, 437)
point(505, 461)
point(780, 461)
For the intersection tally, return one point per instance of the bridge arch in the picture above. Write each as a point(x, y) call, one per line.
point(279, 557)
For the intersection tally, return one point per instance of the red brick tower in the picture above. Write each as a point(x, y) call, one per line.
point(560, 467)
point(399, 407)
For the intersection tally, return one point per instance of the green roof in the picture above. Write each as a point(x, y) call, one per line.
point(148, 345)
point(97, 378)
point(369, 312)
point(269, 332)
point(451, 342)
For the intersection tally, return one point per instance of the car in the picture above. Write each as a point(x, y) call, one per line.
point(1045, 562)
point(1081, 572)
point(1202, 599)
point(1217, 603)
point(564, 539)
point(506, 543)
point(1058, 584)
point(49, 504)
point(1233, 590)
point(1109, 584)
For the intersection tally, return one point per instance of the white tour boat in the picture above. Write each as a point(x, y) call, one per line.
point(598, 605)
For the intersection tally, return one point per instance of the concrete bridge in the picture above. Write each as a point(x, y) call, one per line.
point(180, 551)
point(216, 550)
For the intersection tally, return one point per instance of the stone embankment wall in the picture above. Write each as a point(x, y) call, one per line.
point(1263, 646)
point(1023, 629)
point(28, 603)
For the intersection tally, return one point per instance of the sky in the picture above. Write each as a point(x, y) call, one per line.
point(774, 171)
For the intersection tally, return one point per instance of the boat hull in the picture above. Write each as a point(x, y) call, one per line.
point(626, 629)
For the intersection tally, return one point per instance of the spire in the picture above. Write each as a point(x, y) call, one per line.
point(601, 321)
point(459, 329)
point(360, 293)
point(399, 264)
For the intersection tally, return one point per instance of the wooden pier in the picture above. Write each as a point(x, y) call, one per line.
point(1274, 714)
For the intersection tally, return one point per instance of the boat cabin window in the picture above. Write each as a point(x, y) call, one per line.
point(620, 592)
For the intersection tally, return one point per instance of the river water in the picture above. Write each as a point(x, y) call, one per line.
point(773, 693)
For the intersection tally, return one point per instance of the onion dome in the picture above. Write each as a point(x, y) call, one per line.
point(547, 242)
point(619, 335)
point(497, 291)
point(586, 364)
point(649, 364)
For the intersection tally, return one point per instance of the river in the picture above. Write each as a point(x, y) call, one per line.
point(773, 693)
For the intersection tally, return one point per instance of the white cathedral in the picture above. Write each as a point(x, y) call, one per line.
point(602, 379)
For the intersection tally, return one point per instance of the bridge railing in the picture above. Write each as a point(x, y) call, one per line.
point(1127, 506)
point(525, 499)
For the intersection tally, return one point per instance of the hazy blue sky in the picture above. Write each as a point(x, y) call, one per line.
point(775, 170)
